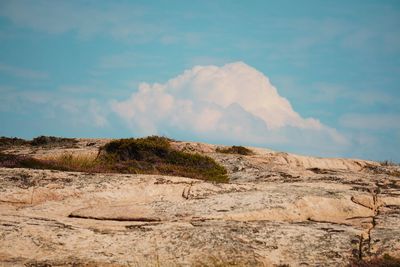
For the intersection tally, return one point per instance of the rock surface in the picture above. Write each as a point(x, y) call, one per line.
point(278, 209)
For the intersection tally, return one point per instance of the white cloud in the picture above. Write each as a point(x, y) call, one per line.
point(129, 60)
point(326, 92)
point(371, 121)
point(97, 114)
point(234, 102)
point(207, 60)
point(122, 21)
point(50, 104)
point(361, 95)
point(23, 73)
point(86, 18)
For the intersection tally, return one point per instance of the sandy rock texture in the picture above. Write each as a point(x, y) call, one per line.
point(279, 209)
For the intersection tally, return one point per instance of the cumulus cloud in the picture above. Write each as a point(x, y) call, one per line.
point(234, 102)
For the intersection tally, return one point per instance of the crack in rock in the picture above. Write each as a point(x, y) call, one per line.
point(186, 191)
point(119, 219)
point(375, 208)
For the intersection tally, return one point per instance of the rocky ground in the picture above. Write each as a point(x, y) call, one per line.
point(278, 209)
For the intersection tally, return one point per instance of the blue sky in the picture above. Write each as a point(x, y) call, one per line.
point(74, 68)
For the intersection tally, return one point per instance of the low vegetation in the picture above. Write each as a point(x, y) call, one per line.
point(43, 141)
point(22, 161)
point(75, 162)
point(151, 155)
point(53, 141)
point(64, 162)
point(384, 261)
point(389, 163)
point(391, 169)
point(235, 150)
point(155, 155)
point(12, 141)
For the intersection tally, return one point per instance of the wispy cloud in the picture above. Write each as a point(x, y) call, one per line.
point(129, 59)
point(87, 112)
point(86, 18)
point(380, 122)
point(22, 72)
point(208, 60)
point(97, 113)
point(327, 92)
point(361, 95)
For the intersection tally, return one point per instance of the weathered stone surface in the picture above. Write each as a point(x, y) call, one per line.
point(278, 209)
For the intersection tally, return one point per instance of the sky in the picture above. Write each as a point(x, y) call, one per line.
point(309, 77)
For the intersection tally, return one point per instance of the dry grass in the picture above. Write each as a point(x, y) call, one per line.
point(75, 162)
point(64, 162)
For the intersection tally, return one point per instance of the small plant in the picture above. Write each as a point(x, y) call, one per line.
point(389, 163)
point(385, 261)
point(235, 150)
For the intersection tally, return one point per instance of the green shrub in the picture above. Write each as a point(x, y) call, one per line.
point(38, 141)
point(235, 150)
point(12, 141)
point(154, 154)
point(148, 148)
point(53, 141)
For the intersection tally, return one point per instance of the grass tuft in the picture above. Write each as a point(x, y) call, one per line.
point(235, 150)
point(74, 162)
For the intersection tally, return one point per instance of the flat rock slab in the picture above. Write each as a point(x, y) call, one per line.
point(128, 212)
point(279, 209)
